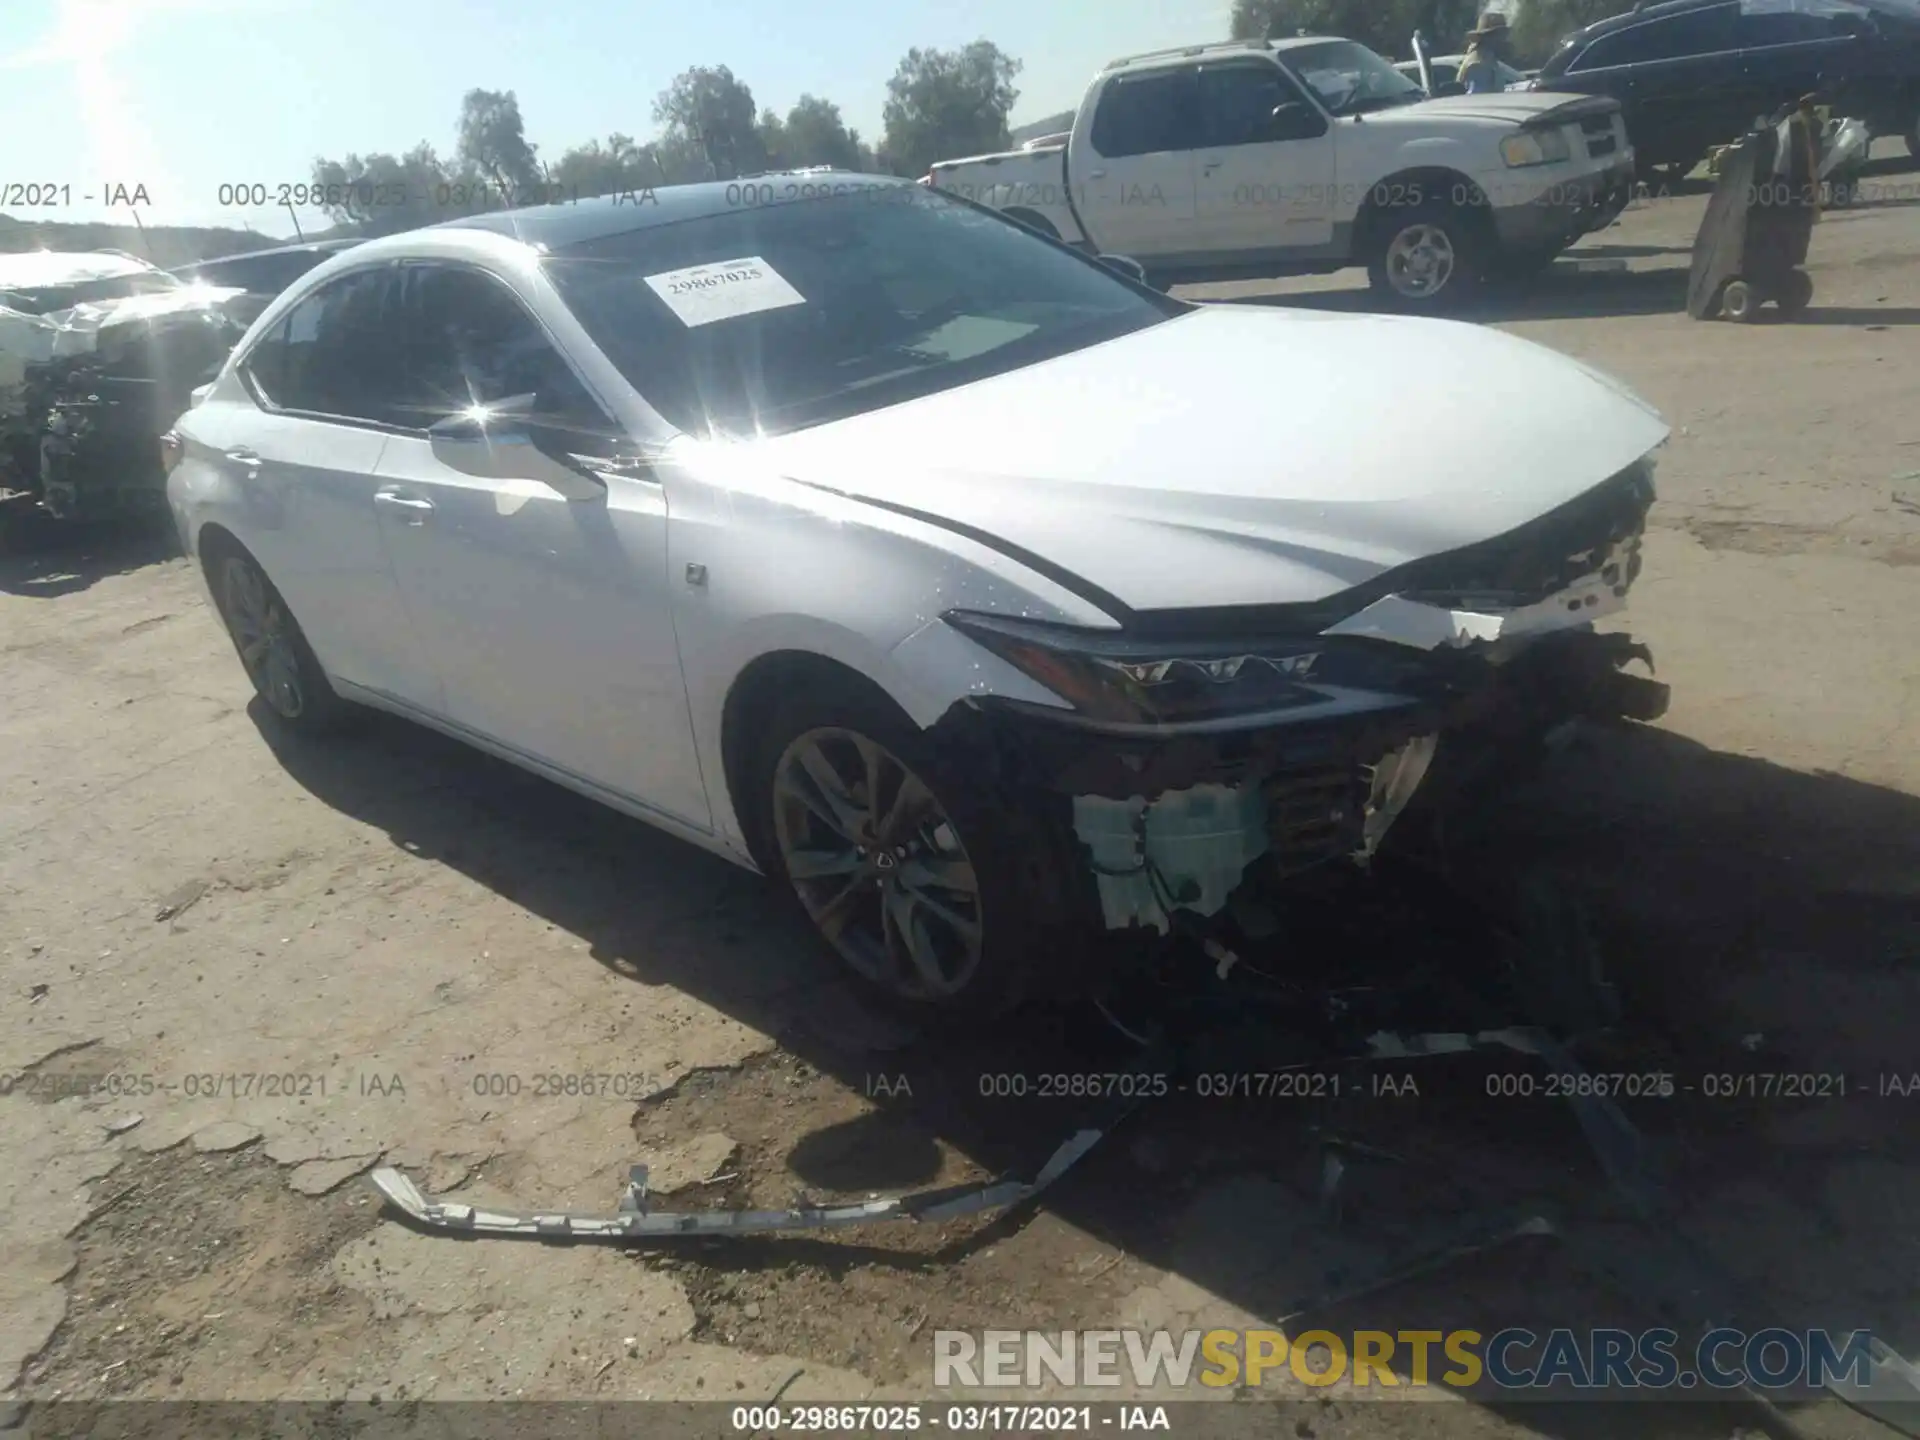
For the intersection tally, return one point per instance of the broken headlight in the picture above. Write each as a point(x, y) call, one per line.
point(1130, 681)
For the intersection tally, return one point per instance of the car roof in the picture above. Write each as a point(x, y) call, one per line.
point(44, 269)
point(1646, 12)
point(299, 247)
point(558, 227)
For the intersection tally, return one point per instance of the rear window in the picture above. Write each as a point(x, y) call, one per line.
point(777, 316)
point(1148, 114)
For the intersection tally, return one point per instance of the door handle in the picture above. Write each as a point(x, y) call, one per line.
point(1096, 174)
point(1211, 166)
point(243, 456)
point(410, 509)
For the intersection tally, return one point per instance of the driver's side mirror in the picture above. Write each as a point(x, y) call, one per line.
point(1450, 87)
point(1296, 120)
point(1125, 265)
point(505, 441)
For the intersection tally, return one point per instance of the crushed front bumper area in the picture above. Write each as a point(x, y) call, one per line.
point(1157, 830)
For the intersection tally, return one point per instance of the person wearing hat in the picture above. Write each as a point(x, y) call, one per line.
point(1486, 48)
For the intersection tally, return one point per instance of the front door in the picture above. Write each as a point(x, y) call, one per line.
point(547, 617)
point(304, 464)
point(1263, 176)
point(1133, 178)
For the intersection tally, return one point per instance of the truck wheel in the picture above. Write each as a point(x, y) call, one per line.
point(1427, 256)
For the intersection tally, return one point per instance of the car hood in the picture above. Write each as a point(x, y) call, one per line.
point(1512, 107)
point(1242, 455)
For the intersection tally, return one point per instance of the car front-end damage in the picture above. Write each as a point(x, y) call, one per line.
point(88, 388)
point(1207, 755)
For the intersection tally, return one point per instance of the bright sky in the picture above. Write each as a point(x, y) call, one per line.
point(182, 96)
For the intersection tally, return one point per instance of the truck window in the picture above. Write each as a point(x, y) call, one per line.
point(1148, 113)
point(1237, 103)
point(1708, 31)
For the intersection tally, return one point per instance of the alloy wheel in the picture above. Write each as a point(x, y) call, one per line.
point(1420, 261)
point(877, 864)
point(262, 633)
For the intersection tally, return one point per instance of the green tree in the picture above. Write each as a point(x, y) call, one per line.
point(816, 135)
point(492, 145)
point(943, 104)
point(615, 167)
point(381, 194)
point(706, 110)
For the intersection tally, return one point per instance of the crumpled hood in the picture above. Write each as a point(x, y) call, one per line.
point(76, 330)
point(1243, 455)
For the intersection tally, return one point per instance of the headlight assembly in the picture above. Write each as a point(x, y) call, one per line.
point(1535, 147)
point(1131, 681)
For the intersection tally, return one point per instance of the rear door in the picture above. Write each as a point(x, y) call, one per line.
point(548, 617)
point(304, 463)
point(1790, 48)
point(1263, 176)
point(1132, 176)
point(1680, 80)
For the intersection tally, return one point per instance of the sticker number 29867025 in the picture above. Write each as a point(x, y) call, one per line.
point(724, 290)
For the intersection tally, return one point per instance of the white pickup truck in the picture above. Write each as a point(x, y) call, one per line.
point(1257, 158)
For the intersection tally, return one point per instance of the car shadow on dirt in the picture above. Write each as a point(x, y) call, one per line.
point(45, 558)
point(1758, 920)
point(1559, 294)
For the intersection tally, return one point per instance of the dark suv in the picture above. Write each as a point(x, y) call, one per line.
point(1693, 74)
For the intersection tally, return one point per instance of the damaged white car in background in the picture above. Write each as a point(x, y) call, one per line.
point(984, 599)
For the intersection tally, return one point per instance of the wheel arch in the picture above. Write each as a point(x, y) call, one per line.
point(1417, 185)
point(751, 697)
point(1033, 220)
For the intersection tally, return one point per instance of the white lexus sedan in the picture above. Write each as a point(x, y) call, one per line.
point(984, 599)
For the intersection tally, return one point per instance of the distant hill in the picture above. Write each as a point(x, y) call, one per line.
point(165, 245)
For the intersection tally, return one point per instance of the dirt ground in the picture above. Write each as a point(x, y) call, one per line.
point(236, 977)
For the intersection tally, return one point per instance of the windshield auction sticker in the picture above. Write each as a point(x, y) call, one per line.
point(702, 294)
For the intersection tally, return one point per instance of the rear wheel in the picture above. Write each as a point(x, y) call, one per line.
point(898, 866)
point(1428, 256)
point(272, 647)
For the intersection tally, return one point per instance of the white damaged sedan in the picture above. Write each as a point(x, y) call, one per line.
point(982, 598)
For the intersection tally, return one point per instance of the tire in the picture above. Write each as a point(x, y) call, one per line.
point(1738, 303)
point(273, 649)
point(1796, 293)
point(1429, 256)
point(938, 931)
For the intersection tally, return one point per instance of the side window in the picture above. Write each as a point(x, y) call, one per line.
point(1237, 104)
point(327, 356)
point(1796, 22)
point(469, 341)
point(1707, 31)
point(1148, 114)
point(265, 368)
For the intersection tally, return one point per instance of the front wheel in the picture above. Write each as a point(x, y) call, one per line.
point(1427, 257)
point(273, 649)
point(897, 865)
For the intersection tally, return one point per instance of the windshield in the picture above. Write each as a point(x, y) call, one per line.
point(1349, 78)
point(44, 300)
point(773, 317)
